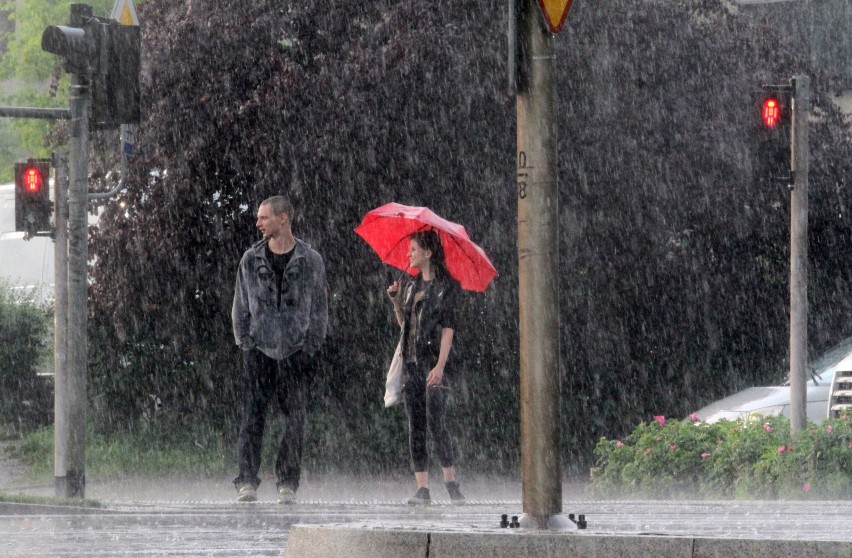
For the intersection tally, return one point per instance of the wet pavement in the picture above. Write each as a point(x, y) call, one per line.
point(198, 517)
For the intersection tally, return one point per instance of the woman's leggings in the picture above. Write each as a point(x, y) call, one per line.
point(426, 409)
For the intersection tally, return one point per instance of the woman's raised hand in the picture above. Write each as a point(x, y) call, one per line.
point(393, 291)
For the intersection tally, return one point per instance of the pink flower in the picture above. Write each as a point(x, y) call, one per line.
point(694, 417)
point(806, 487)
point(705, 455)
point(661, 420)
point(782, 449)
point(849, 445)
point(829, 428)
point(673, 447)
point(619, 443)
point(767, 427)
point(647, 451)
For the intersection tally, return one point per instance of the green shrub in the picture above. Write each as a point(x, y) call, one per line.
point(817, 466)
point(26, 399)
point(727, 459)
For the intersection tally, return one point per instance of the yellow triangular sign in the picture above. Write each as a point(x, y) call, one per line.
point(124, 12)
point(555, 12)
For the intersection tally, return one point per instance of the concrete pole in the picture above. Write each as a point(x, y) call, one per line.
point(60, 316)
point(799, 253)
point(77, 289)
point(538, 271)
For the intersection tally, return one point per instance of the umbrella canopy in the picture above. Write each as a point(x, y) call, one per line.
point(387, 228)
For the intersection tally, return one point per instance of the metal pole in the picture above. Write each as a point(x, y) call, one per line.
point(538, 268)
point(799, 253)
point(77, 288)
point(513, 46)
point(60, 316)
point(45, 113)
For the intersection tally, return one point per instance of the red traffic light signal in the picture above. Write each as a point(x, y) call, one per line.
point(32, 180)
point(770, 112)
point(772, 107)
point(32, 203)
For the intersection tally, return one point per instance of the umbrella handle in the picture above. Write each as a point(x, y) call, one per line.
point(404, 272)
point(401, 275)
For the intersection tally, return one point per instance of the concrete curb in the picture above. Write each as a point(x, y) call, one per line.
point(333, 541)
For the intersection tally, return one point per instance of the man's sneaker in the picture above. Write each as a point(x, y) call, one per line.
point(422, 497)
point(286, 495)
point(456, 496)
point(246, 493)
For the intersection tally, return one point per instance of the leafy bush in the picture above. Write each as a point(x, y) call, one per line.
point(727, 459)
point(26, 399)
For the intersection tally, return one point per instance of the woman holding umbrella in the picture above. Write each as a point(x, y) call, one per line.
point(446, 260)
point(426, 313)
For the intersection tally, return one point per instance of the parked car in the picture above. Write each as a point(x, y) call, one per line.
point(775, 400)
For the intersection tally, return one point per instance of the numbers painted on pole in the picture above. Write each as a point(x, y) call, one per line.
point(523, 175)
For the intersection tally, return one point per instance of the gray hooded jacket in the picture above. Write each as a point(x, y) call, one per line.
point(298, 321)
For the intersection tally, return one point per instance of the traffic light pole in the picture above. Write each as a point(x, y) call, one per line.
point(75, 471)
point(60, 316)
point(103, 60)
point(538, 269)
point(799, 149)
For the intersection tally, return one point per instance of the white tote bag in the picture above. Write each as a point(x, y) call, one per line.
point(393, 384)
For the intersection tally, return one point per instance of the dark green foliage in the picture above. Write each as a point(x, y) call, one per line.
point(673, 243)
point(26, 399)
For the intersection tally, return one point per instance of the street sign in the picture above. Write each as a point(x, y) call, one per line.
point(555, 12)
point(125, 13)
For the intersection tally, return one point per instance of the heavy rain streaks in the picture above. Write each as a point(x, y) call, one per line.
point(673, 254)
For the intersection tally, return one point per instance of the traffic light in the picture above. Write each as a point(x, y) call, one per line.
point(115, 73)
point(70, 43)
point(774, 119)
point(32, 203)
point(770, 111)
point(106, 54)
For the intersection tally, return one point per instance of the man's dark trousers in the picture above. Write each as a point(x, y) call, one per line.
point(285, 383)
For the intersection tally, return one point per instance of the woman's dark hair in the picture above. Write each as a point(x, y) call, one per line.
point(429, 240)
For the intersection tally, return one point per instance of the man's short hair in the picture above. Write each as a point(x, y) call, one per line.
point(279, 205)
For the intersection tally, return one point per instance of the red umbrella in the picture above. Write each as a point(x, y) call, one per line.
point(387, 228)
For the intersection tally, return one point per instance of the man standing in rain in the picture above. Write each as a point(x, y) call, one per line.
point(280, 315)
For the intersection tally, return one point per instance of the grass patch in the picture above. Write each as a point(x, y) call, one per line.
point(146, 450)
point(141, 452)
point(7, 498)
